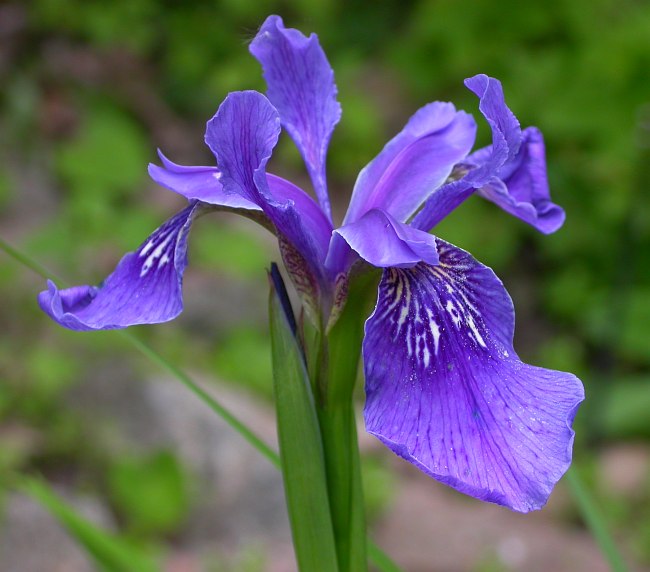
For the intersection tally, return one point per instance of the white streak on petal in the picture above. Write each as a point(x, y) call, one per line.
point(157, 253)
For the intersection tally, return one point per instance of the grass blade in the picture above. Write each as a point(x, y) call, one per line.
point(111, 553)
point(595, 521)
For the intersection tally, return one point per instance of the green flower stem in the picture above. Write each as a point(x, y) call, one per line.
point(381, 560)
point(111, 552)
point(29, 262)
point(343, 469)
point(338, 427)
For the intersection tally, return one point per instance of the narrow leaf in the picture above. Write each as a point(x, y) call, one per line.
point(301, 453)
point(381, 560)
point(111, 553)
point(595, 521)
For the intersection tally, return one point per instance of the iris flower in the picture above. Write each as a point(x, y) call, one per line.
point(445, 389)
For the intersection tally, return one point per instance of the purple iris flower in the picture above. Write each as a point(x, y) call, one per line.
point(445, 389)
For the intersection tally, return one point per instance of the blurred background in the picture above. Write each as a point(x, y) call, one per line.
point(89, 90)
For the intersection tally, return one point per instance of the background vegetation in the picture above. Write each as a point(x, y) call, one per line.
point(90, 89)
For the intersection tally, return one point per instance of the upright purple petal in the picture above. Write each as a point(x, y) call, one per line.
point(522, 186)
point(145, 288)
point(414, 163)
point(446, 391)
point(301, 86)
point(242, 135)
point(506, 132)
point(197, 183)
point(309, 217)
point(382, 241)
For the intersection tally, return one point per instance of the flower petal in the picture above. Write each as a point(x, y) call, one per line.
point(414, 163)
point(446, 391)
point(511, 172)
point(309, 220)
point(200, 183)
point(442, 202)
point(522, 187)
point(506, 132)
point(145, 288)
point(204, 184)
point(242, 135)
point(381, 241)
point(301, 86)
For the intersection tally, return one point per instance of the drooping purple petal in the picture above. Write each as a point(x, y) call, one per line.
point(382, 241)
point(301, 86)
point(446, 391)
point(414, 163)
point(511, 172)
point(522, 187)
point(242, 135)
point(145, 288)
point(200, 183)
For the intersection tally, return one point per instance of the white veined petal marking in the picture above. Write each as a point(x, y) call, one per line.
point(463, 313)
point(159, 247)
point(424, 305)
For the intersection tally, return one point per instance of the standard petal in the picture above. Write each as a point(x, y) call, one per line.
point(446, 391)
point(414, 163)
point(522, 186)
point(382, 241)
point(242, 135)
point(443, 202)
point(506, 132)
point(197, 183)
point(301, 86)
point(145, 288)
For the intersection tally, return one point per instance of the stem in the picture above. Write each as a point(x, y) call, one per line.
point(343, 470)
point(341, 350)
point(29, 262)
point(299, 437)
point(157, 358)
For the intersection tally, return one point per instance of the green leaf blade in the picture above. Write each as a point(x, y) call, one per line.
point(111, 553)
point(301, 453)
point(595, 521)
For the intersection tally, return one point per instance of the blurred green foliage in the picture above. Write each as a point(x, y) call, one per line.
point(91, 88)
point(150, 492)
